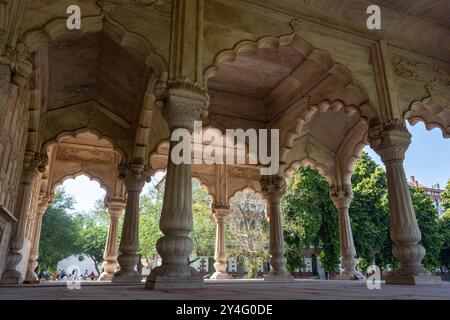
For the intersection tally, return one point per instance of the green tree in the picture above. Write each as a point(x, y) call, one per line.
point(446, 198)
point(369, 214)
point(93, 228)
point(60, 232)
point(428, 221)
point(444, 255)
point(204, 231)
point(310, 218)
point(149, 232)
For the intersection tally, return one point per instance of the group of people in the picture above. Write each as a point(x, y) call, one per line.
point(62, 275)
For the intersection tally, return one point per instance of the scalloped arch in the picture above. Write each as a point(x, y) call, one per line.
point(297, 42)
point(308, 162)
point(249, 46)
point(308, 115)
point(75, 175)
point(205, 186)
point(36, 38)
point(258, 194)
point(432, 113)
point(75, 133)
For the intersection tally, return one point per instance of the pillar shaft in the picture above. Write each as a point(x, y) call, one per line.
point(31, 276)
point(110, 263)
point(342, 198)
point(220, 256)
point(273, 188)
point(134, 180)
point(11, 274)
point(391, 143)
point(185, 105)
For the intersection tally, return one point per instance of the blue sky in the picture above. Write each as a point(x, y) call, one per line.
point(428, 159)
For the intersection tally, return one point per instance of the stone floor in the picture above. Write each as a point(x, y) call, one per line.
point(229, 290)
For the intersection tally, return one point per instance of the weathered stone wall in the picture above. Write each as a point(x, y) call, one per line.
point(13, 128)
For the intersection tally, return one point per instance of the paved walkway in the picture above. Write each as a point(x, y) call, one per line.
point(229, 290)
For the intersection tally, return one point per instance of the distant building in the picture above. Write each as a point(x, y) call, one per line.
point(434, 192)
point(82, 262)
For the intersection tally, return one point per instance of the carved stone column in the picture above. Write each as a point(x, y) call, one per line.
point(134, 180)
point(273, 188)
point(220, 214)
point(17, 60)
point(391, 142)
point(185, 105)
point(5, 80)
point(12, 275)
point(342, 198)
point(110, 255)
point(31, 276)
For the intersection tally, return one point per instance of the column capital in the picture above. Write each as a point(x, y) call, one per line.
point(44, 201)
point(134, 177)
point(18, 59)
point(115, 208)
point(273, 187)
point(390, 140)
point(220, 212)
point(187, 102)
point(34, 163)
point(341, 196)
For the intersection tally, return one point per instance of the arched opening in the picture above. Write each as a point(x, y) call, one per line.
point(74, 231)
point(247, 236)
point(86, 164)
point(311, 225)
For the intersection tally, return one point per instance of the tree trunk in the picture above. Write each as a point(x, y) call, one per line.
point(240, 268)
point(96, 266)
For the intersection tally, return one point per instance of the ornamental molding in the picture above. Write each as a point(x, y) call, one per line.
point(163, 7)
point(439, 94)
point(85, 155)
point(408, 68)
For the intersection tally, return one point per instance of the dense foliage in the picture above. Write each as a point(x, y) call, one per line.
point(310, 219)
point(60, 232)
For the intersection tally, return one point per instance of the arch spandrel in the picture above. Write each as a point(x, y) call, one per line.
point(423, 86)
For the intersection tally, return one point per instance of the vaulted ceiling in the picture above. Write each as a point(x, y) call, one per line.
point(94, 67)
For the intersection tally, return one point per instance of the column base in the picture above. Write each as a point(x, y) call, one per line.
point(350, 275)
point(12, 277)
point(220, 276)
point(123, 276)
point(421, 277)
point(105, 276)
point(285, 277)
point(174, 277)
point(31, 281)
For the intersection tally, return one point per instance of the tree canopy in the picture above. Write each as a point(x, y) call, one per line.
point(310, 219)
point(60, 232)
